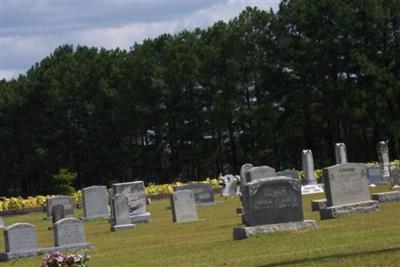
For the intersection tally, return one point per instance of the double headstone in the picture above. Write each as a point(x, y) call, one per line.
point(66, 201)
point(134, 192)
point(340, 153)
point(202, 192)
point(272, 204)
point(69, 233)
point(308, 167)
point(120, 213)
point(95, 202)
point(383, 159)
point(183, 206)
point(346, 189)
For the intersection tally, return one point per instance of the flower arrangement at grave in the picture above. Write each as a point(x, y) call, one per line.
point(58, 259)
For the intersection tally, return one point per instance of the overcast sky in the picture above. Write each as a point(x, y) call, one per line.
point(32, 29)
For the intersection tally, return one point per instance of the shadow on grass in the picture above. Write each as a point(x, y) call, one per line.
point(334, 256)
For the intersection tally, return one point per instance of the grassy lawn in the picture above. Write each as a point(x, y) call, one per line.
point(359, 240)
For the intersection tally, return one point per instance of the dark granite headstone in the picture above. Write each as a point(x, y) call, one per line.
point(203, 193)
point(272, 200)
point(57, 212)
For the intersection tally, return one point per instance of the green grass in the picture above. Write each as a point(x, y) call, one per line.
point(360, 240)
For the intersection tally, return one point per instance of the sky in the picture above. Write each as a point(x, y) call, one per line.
point(31, 29)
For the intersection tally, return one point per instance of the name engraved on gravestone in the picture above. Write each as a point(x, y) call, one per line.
point(346, 183)
point(272, 200)
point(134, 192)
point(258, 172)
point(203, 193)
point(95, 202)
point(20, 237)
point(183, 206)
point(68, 232)
point(66, 201)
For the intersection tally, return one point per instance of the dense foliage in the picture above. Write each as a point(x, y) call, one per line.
point(257, 89)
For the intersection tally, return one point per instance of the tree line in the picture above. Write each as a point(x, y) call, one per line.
point(259, 89)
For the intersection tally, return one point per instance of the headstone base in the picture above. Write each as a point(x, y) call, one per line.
point(345, 210)
point(239, 210)
point(140, 218)
point(318, 204)
point(245, 232)
point(386, 196)
point(115, 228)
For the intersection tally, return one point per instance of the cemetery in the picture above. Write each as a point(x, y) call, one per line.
point(199, 133)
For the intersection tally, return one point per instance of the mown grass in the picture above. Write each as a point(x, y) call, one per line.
point(360, 240)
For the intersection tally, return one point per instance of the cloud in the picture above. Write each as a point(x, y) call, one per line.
point(33, 33)
point(9, 74)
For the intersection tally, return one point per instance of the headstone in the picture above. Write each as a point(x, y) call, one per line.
point(394, 175)
point(374, 175)
point(289, 173)
point(20, 241)
point(258, 172)
point(311, 189)
point(66, 201)
point(383, 159)
point(346, 189)
point(183, 206)
point(229, 184)
point(308, 167)
point(340, 153)
point(273, 200)
point(134, 192)
point(69, 233)
point(272, 204)
point(243, 170)
point(57, 212)
point(120, 213)
point(203, 193)
point(95, 202)
point(2, 223)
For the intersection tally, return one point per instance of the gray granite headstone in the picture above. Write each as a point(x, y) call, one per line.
point(70, 233)
point(183, 206)
point(20, 238)
point(258, 172)
point(394, 175)
point(203, 193)
point(374, 175)
point(2, 223)
point(346, 183)
point(340, 153)
point(57, 213)
point(120, 213)
point(272, 200)
point(66, 201)
point(95, 202)
point(383, 159)
point(289, 173)
point(134, 192)
point(308, 167)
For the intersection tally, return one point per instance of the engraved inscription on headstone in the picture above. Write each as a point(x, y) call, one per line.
point(69, 232)
point(272, 200)
point(203, 193)
point(346, 183)
point(95, 202)
point(66, 201)
point(340, 153)
point(183, 206)
point(308, 167)
point(20, 237)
